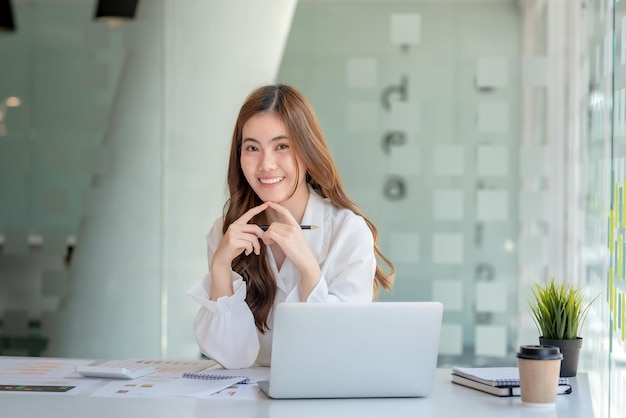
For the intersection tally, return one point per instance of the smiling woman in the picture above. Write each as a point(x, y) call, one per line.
point(281, 174)
point(270, 167)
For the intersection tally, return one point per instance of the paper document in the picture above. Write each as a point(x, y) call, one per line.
point(40, 368)
point(239, 392)
point(36, 386)
point(175, 368)
point(161, 387)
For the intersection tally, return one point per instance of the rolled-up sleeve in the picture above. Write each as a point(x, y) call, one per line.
point(225, 329)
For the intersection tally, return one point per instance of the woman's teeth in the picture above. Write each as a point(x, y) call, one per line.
point(272, 181)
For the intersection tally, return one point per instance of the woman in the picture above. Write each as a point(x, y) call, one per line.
point(281, 175)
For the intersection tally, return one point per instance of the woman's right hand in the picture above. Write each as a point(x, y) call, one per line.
point(239, 237)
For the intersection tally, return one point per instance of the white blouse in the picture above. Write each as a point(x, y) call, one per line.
point(344, 248)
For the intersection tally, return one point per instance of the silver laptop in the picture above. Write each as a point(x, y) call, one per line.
point(354, 350)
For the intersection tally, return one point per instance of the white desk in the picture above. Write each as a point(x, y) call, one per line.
point(447, 400)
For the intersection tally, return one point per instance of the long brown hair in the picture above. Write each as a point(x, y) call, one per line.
point(308, 142)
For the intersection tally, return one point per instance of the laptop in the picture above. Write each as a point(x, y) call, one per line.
point(354, 350)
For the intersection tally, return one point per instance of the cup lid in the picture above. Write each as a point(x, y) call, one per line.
point(539, 352)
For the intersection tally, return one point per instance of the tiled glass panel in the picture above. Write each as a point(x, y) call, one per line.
point(435, 137)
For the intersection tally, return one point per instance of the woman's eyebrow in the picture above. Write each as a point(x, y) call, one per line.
point(277, 138)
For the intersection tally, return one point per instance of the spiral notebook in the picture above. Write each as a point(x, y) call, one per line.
point(245, 376)
point(213, 376)
point(495, 376)
point(501, 390)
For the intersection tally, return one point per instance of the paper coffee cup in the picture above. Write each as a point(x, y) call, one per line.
point(539, 368)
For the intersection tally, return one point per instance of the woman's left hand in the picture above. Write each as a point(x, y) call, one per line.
point(289, 236)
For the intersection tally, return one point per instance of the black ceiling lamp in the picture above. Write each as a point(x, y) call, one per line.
point(115, 9)
point(7, 24)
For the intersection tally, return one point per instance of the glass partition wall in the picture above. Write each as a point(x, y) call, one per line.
point(64, 82)
point(593, 109)
point(422, 105)
point(484, 138)
point(610, 101)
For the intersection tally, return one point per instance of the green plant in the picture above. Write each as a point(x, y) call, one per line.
point(559, 311)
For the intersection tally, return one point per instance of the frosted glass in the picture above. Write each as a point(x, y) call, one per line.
point(531, 250)
point(491, 72)
point(138, 34)
point(18, 120)
point(15, 158)
point(597, 64)
point(491, 296)
point(534, 71)
point(15, 241)
point(404, 247)
point(405, 116)
point(98, 116)
point(448, 205)
point(15, 323)
point(54, 283)
point(97, 76)
point(617, 111)
point(448, 160)
point(491, 340)
point(406, 29)
point(49, 324)
point(362, 117)
point(492, 205)
point(55, 241)
point(362, 73)
point(608, 54)
point(622, 55)
point(531, 206)
point(492, 160)
point(56, 160)
point(448, 248)
point(55, 201)
point(405, 160)
point(95, 36)
point(450, 293)
point(363, 195)
point(451, 339)
point(532, 161)
point(93, 159)
point(619, 120)
point(493, 117)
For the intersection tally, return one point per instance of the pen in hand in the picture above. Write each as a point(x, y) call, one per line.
point(264, 227)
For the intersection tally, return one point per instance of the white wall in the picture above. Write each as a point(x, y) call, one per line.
point(189, 66)
point(216, 52)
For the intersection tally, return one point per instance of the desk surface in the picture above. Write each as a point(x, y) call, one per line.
point(447, 400)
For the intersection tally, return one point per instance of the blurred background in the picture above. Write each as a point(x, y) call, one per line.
point(484, 138)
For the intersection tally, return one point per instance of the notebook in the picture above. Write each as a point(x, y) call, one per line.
point(495, 376)
point(354, 350)
point(509, 390)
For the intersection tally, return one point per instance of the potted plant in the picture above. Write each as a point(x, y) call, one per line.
point(559, 312)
